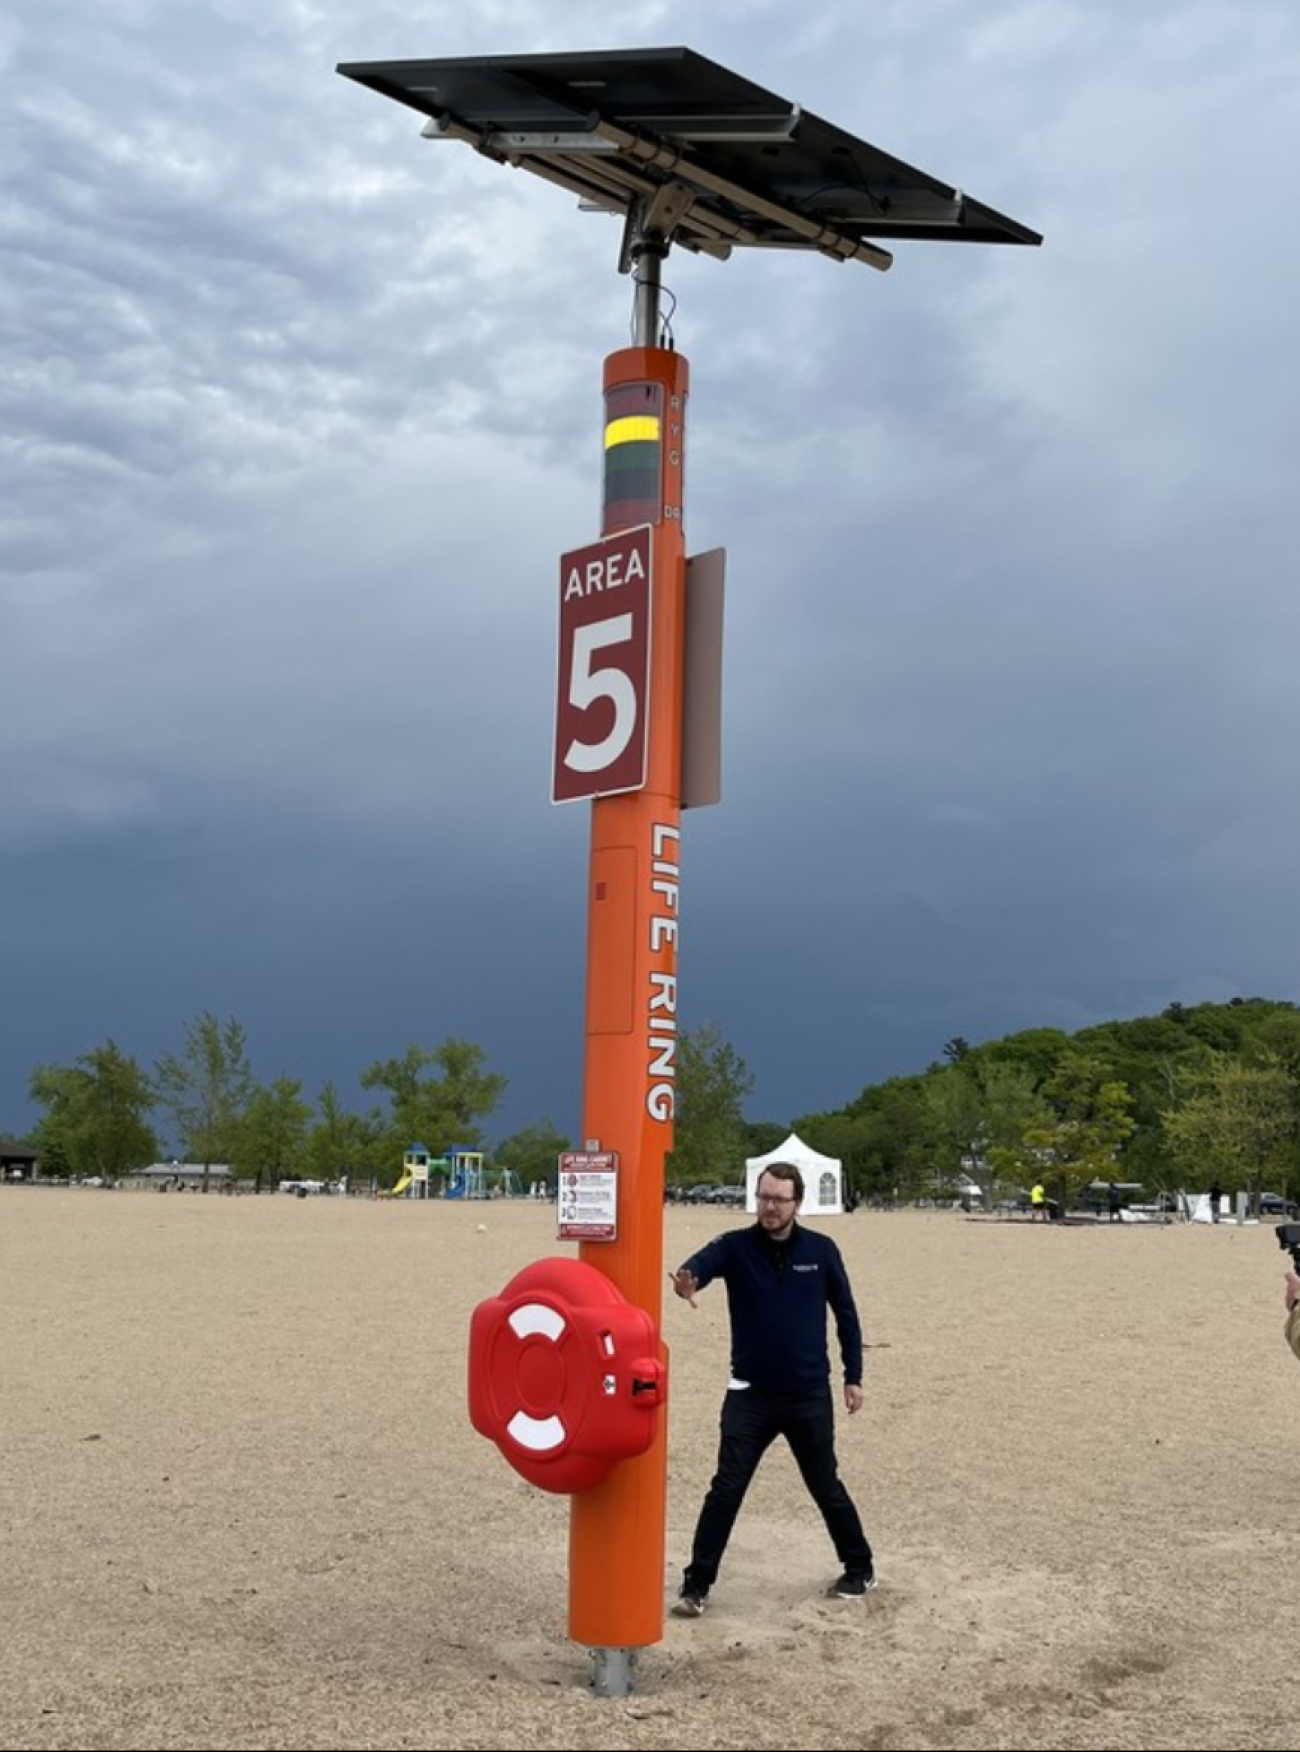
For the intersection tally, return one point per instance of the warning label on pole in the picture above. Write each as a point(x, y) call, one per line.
point(588, 1195)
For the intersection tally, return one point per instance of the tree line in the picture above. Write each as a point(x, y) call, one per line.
point(1201, 1093)
point(1198, 1094)
point(101, 1114)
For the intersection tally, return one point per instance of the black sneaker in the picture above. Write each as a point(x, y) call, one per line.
point(690, 1602)
point(851, 1586)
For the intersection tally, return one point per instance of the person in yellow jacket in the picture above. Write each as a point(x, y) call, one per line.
point(1037, 1202)
point(1293, 1312)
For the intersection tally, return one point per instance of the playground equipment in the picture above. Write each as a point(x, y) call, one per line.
point(464, 1173)
point(458, 1173)
point(416, 1155)
point(468, 1178)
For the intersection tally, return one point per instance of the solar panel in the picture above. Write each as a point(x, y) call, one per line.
point(693, 150)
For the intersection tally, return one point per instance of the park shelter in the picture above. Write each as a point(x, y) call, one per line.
point(17, 1162)
point(179, 1176)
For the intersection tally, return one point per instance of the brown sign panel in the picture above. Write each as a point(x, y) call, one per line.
point(602, 692)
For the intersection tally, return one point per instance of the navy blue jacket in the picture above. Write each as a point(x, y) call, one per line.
point(778, 1294)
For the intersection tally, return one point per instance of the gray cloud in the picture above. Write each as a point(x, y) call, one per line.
point(299, 409)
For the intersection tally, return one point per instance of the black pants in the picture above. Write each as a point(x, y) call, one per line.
point(751, 1422)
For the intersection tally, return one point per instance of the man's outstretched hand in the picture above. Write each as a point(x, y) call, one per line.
point(684, 1284)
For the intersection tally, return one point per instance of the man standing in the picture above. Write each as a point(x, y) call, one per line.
point(781, 1279)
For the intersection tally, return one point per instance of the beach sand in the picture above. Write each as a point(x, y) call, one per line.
point(243, 1505)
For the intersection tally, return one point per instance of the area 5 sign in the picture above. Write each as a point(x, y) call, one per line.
point(602, 716)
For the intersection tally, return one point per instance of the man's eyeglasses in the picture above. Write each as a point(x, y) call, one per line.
point(775, 1198)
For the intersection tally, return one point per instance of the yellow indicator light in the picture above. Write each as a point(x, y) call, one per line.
point(633, 429)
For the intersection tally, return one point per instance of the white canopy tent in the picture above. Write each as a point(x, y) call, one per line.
point(823, 1177)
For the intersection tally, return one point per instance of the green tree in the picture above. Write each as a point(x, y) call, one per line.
point(1239, 1124)
point(891, 1148)
point(954, 1107)
point(532, 1152)
point(1011, 1102)
point(273, 1134)
point(207, 1089)
point(1278, 1032)
point(56, 1088)
point(977, 1111)
point(709, 1136)
point(97, 1114)
point(438, 1112)
point(1012, 1107)
point(343, 1144)
point(1036, 1050)
point(1087, 1121)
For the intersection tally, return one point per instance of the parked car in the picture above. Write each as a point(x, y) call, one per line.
point(1272, 1204)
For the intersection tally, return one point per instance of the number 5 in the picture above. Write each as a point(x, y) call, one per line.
point(587, 685)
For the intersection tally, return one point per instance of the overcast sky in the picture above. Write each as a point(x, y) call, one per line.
point(299, 410)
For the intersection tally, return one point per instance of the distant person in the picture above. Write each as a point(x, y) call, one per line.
point(1293, 1312)
point(781, 1282)
point(1216, 1196)
point(1037, 1202)
point(1113, 1203)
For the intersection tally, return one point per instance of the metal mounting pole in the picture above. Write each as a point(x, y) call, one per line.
point(648, 254)
point(613, 1672)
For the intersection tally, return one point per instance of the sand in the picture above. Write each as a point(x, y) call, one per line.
point(243, 1505)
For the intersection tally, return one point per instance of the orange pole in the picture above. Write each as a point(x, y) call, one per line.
point(616, 1530)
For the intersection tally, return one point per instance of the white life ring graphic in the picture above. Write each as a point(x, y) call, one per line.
point(539, 1434)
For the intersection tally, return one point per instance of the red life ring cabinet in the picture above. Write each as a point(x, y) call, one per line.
point(564, 1375)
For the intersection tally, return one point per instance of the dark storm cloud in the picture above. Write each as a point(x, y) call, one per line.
point(298, 410)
